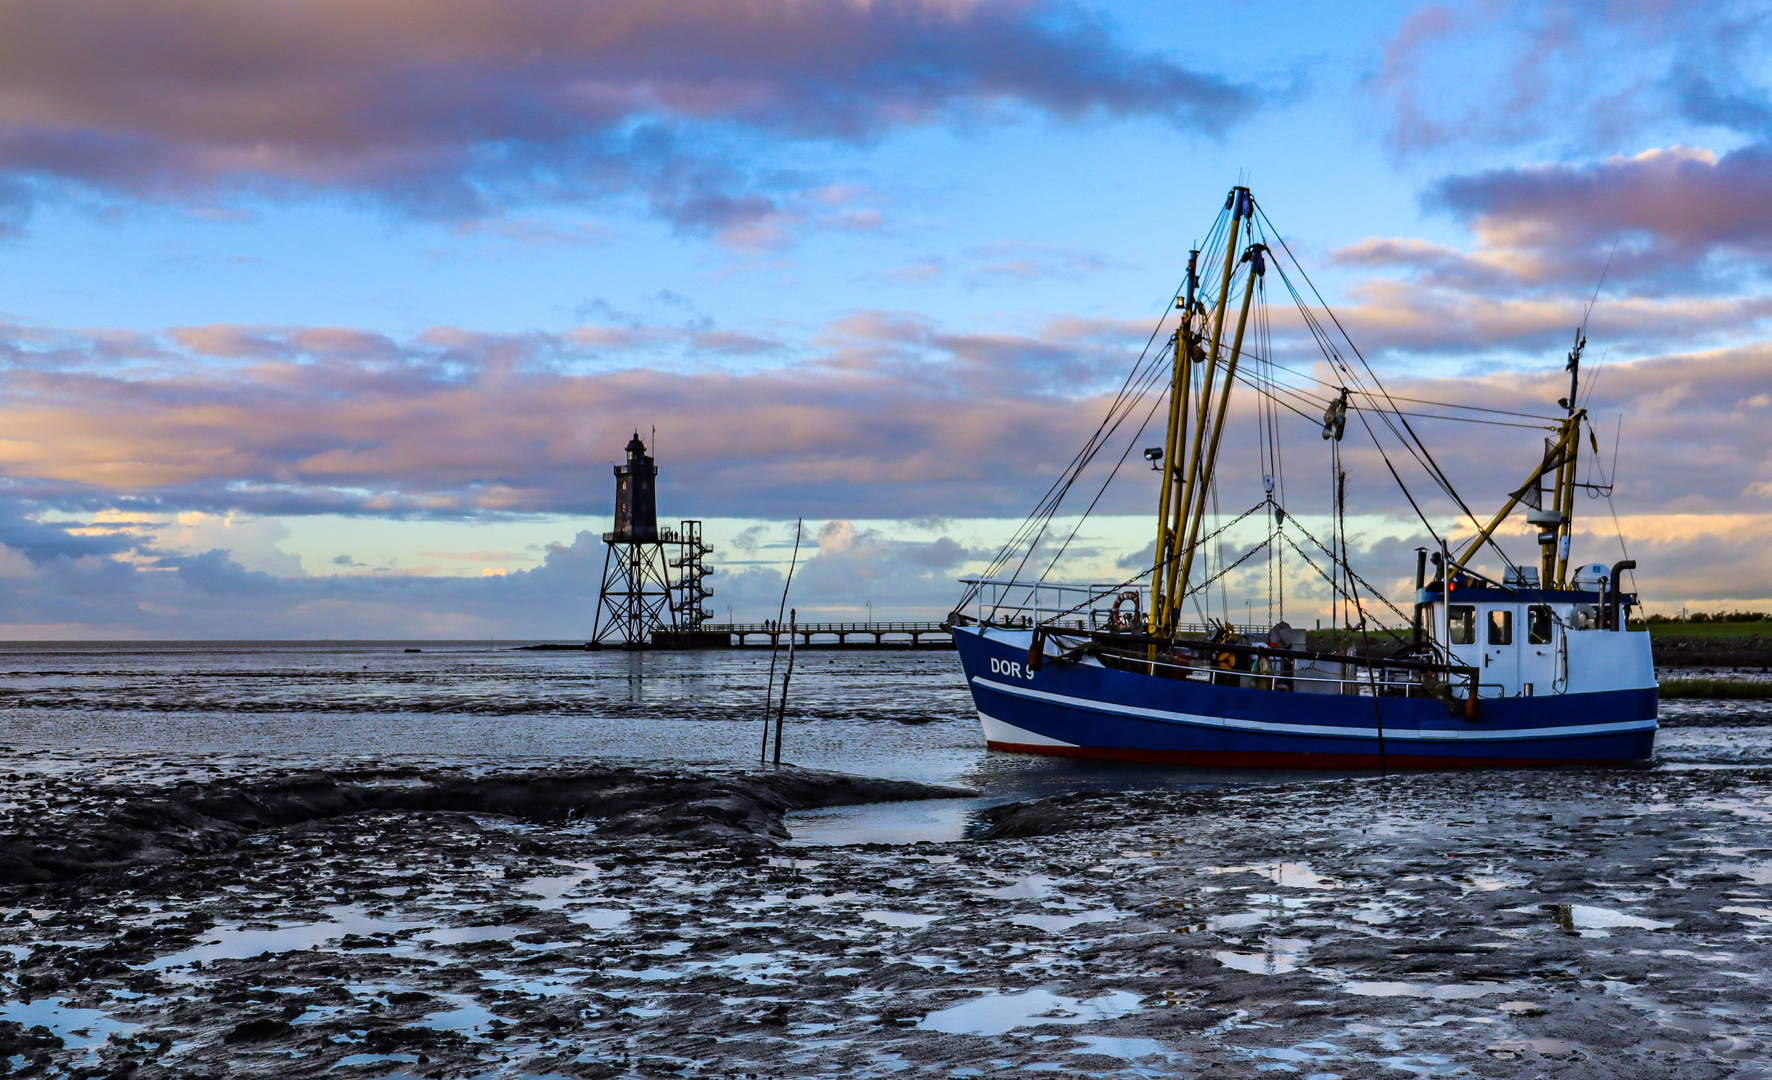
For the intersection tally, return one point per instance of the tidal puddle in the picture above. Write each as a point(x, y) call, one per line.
point(1285, 875)
point(1431, 991)
point(599, 918)
point(78, 1028)
point(903, 919)
point(995, 1014)
point(242, 944)
point(1125, 1049)
point(1509, 1049)
point(1279, 957)
point(1034, 887)
point(1592, 921)
point(1058, 924)
point(468, 1017)
point(937, 821)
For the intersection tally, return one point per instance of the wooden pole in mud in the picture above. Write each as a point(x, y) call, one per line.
point(775, 646)
point(788, 677)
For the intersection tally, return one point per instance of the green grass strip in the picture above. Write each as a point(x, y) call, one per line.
point(1717, 689)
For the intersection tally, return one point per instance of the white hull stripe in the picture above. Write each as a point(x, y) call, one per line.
point(1233, 724)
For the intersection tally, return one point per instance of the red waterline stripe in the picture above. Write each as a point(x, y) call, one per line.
point(1254, 759)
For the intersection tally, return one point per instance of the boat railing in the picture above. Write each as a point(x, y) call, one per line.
point(1066, 605)
point(1266, 667)
point(1351, 684)
point(1069, 606)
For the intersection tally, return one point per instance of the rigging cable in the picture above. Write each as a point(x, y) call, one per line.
point(1413, 443)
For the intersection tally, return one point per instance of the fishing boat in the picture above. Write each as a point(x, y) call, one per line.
point(1493, 662)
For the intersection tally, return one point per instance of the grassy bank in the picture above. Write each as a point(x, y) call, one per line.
point(1717, 689)
point(1706, 631)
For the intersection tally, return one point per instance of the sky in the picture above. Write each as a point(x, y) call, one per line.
point(326, 319)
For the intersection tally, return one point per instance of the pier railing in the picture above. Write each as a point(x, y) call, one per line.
point(805, 632)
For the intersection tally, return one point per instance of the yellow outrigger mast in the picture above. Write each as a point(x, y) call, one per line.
point(1199, 401)
point(1187, 477)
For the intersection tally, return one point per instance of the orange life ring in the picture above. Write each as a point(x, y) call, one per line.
point(1114, 619)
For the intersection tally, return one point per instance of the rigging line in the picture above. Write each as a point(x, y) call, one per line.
point(1445, 481)
point(1124, 454)
point(1081, 459)
point(1146, 572)
point(1333, 355)
point(1269, 385)
point(1208, 583)
point(1593, 377)
point(1033, 527)
point(1326, 576)
point(1414, 400)
point(1463, 419)
point(1407, 494)
point(1600, 283)
point(1037, 521)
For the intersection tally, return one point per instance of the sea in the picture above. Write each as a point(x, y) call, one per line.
point(184, 709)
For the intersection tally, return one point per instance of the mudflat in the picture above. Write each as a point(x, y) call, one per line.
point(456, 923)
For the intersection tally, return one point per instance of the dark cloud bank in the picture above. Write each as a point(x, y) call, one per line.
point(457, 108)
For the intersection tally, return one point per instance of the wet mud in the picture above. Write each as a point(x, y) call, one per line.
point(146, 826)
point(608, 922)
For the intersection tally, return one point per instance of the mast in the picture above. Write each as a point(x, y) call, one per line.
point(1181, 512)
point(1565, 491)
point(1186, 345)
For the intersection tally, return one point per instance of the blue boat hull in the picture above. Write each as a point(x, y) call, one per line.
point(1081, 709)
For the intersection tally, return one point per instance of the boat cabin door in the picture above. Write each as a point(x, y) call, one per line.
point(1501, 654)
point(1483, 636)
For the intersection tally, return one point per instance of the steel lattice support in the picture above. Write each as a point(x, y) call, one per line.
point(636, 597)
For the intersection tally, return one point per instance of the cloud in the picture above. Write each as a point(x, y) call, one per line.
point(1430, 316)
point(884, 414)
point(1670, 211)
point(459, 109)
point(1005, 259)
point(1581, 74)
point(210, 595)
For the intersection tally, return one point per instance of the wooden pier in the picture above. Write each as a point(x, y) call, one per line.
point(837, 635)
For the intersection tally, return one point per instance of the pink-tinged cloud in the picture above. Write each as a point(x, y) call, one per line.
point(1669, 211)
point(884, 415)
point(459, 107)
point(1454, 318)
point(888, 415)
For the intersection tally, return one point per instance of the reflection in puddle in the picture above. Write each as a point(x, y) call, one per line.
point(1280, 956)
point(936, 821)
point(1284, 875)
point(1126, 1049)
point(78, 1028)
point(1056, 924)
point(599, 918)
point(1433, 991)
point(1592, 921)
point(241, 944)
point(467, 1017)
point(905, 919)
point(1034, 887)
point(994, 1014)
point(1509, 1049)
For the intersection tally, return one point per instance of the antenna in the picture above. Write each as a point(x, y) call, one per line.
point(1573, 367)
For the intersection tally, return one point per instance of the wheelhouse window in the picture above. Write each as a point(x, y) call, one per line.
point(1538, 625)
point(1501, 627)
point(1461, 625)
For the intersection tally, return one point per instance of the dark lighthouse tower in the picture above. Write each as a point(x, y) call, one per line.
point(638, 605)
